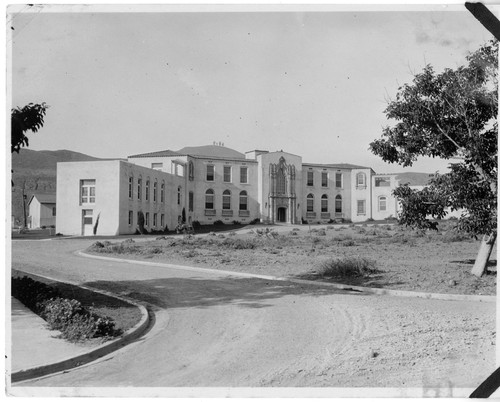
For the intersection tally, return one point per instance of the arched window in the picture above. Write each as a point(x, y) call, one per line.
point(382, 203)
point(209, 199)
point(139, 188)
point(324, 203)
point(360, 180)
point(243, 201)
point(338, 204)
point(147, 189)
point(281, 181)
point(226, 199)
point(162, 192)
point(310, 203)
point(179, 195)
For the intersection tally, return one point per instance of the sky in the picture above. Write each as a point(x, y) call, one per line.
point(311, 83)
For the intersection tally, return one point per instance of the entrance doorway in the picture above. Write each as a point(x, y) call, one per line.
point(282, 214)
point(87, 222)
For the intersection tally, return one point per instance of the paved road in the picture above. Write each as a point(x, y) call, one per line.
point(226, 331)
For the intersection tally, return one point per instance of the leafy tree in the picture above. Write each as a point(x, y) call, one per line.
point(450, 115)
point(28, 118)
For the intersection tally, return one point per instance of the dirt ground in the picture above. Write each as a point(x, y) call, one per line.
point(402, 258)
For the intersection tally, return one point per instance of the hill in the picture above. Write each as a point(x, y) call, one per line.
point(414, 178)
point(35, 171)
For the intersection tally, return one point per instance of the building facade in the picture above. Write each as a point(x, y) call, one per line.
point(213, 183)
point(42, 211)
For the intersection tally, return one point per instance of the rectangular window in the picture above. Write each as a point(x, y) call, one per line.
point(162, 193)
point(338, 180)
point(155, 191)
point(227, 174)
point(87, 216)
point(87, 191)
point(130, 217)
point(382, 182)
point(130, 187)
point(243, 203)
point(382, 204)
point(324, 179)
point(361, 207)
point(162, 220)
point(154, 219)
point(324, 204)
point(310, 178)
point(210, 172)
point(310, 205)
point(146, 223)
point(139, 188)
point(226, 201)
point(53, 211)
point(157, 166)
point(147, 190)
point(209, 201)
point(243, 175)
point(191, 201)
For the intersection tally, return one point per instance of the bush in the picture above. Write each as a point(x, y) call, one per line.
point(236, 223)
point(254, 221)
point(196, 225)
point(347, 267)
point(218, 223)
point(239, 244)
point(75, 322)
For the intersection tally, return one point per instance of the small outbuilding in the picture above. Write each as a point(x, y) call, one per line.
point(42, 211)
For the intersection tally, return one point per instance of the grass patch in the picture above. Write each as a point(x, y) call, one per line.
point(347, 267)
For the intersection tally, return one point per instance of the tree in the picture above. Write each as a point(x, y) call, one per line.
point(451, 115)
point(29, 118)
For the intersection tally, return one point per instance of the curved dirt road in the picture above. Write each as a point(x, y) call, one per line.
point(215, 330)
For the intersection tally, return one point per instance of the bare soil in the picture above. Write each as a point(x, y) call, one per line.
point(400, 258)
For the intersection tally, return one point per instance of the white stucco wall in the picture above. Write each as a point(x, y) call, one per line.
point(361, 193)
point(384, 191)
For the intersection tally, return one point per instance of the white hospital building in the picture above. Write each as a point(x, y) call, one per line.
point(214, 183)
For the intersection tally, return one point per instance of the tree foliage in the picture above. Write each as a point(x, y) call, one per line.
point(28, 118)
point(451, 115)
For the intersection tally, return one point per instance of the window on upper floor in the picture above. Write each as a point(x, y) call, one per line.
point(147, 190)
point(338, 180)
point(191, 170)
point(310, 203)
point(226, 199)
point(157, 166)
point(155, 191)
point(53, 211)
point(87, 191)
point(179, 195)
point(162, 192)
point(227, 174)
point(382, 182)
point(210, 172)
point(243, 174)
point(130, 187)
point(191, 201)
point(139, 188)
point(310, 178)
point(360, 180)
point(324, 179)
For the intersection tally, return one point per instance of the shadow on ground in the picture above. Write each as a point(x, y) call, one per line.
point(202, 292)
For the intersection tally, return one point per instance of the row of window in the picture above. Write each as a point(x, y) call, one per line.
point(227, 174)
point(360, 179)
point(361, 204)
point(146, 219)
point(147, 192)
point(226, 200)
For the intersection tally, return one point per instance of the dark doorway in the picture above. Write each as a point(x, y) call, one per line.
point(282, 214)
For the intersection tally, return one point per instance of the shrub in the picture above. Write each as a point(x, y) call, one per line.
point(254, 221)
point(321, 232)
point(32, 293)
point(348, 243)
point(347, 267)
point(236, 223)
point(196, 225)
point(239, 244)
point(218, 223)
point(43, 227)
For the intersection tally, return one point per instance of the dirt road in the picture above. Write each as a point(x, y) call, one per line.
point(214, 330)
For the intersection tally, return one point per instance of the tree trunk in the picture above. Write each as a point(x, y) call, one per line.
point(483, 255)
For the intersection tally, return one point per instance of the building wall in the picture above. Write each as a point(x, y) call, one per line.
point(69, 220)
point(199, 186)
point(332, 190)
point(360, 193)
point(382, 186)
point(41, 214)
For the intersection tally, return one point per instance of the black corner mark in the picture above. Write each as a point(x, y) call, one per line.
point(485, 17)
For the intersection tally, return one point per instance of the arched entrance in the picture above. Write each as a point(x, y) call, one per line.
point(282, 214)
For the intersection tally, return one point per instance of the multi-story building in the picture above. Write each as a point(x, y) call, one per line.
point(212, 183)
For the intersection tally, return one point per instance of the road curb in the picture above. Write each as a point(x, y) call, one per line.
point(367, 290)
point(94, 354)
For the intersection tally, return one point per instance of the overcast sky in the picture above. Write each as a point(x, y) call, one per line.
point(311, 83)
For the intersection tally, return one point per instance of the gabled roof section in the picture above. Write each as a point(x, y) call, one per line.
point(337, 165)
point(166, 152)
point(44, 198)
point(212, 151)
